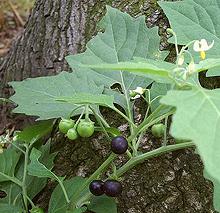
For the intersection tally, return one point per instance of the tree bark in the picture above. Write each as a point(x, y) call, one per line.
point(172, 183)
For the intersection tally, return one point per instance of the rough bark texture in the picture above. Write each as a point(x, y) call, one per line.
point(172, 183)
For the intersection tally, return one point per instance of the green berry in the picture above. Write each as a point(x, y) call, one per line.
point(85, 128)
point(65, 125)
point(158, 130)
point(72, 134)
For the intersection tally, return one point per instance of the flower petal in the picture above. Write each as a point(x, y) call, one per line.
point(197, 46)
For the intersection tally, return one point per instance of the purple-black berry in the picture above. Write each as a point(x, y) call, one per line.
point(119, 145)
point(96, 187)
point(112, 188)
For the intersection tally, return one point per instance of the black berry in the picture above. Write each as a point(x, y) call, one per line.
point(96, 187)
point(119, 145)
point(112, 188)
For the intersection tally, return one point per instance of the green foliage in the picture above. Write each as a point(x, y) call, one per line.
point(102, 204)
point(9, 159)
point(195, 20)
point(35, 131)
point(36, 168)
point(5, 208)
point(199, 110)
point(43, 97)
point(134, 40)
point(58, 203)
point(125, 61)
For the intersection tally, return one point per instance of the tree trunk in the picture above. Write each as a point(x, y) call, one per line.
point(172, 183)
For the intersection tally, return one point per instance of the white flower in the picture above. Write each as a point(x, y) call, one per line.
point(137, 92)
point(202, 46)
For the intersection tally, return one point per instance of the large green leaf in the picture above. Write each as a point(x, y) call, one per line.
point(194, 20)
point(134, 40)
point(198, 118)
point(8, 161)
point(81, 98)
point(103, 204)
point(158, 71)
point(58, 203)
point(40, 96)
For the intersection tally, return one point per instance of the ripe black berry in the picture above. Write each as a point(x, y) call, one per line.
point(96, 187)
point(119, 145)
point(112, 188)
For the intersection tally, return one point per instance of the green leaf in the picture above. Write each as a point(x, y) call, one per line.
point(6, 208)
point(37, 130)
point(156, 92)
point(211, 64)
point(149, 69)
point(39, 96)
point(198, 118)
point(34, 184)
point(103, 204)
point(58, 203)
point(36, 168)
point(195, 20)
point(134, 40)
point(9, 159)
point(81, 98)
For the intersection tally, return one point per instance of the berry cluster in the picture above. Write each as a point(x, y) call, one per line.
point(111, 188)
point(85, 128)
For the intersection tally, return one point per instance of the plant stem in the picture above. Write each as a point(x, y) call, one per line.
point(100, 121)
point(24, 189)
point(137, 160)
point(87, 113)
point(100, 170)
point(129, 113)
point(141, 158)
point(12, 179)
point(165, 132)
point(63, 189)
point(78, 120)
point(131, 123)
point(74, 110)
point(149, 122)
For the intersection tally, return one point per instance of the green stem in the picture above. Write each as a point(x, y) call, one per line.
point(141, 158)
point(24, 189)
point(165, 132)
point(63, 189)
point(100, 123)
point(31, 202)
point(12, 179)
point(70, 115)
point(131, 123)
point(149, 122)
point(87, 113)
point(100, 170)
point(127, 97)
point(17, 147)
point(78, 120)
